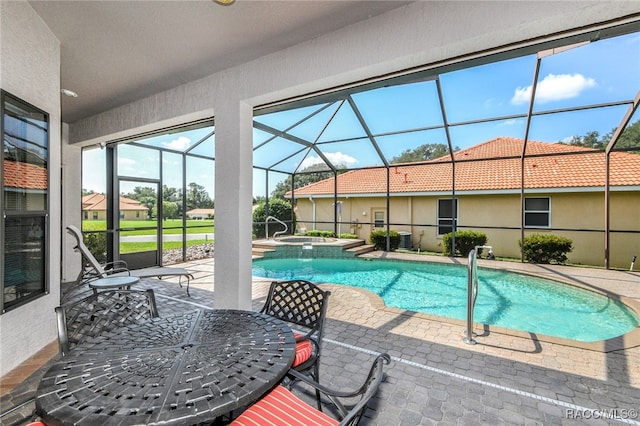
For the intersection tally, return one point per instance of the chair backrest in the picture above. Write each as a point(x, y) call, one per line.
point(98, 270)
point(368, 391)
point(298, 302)
point(102, 312)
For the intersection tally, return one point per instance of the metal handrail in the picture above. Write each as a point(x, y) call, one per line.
point(472, 291)
point(275, 219)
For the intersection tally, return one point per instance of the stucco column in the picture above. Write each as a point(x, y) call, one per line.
point(233, 200)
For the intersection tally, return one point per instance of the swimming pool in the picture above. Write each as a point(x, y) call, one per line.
point(505, 299)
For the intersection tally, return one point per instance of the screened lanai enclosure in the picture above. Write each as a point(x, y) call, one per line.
point(528, 139)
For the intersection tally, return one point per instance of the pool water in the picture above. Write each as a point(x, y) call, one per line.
point(505, 299)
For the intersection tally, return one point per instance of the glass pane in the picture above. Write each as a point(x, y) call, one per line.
point(589, 74)
point(24, 258)
point(536, 219)
point(25, 153)
point(400, 107)
point(590, 128)
point(352, 154)
point(541, 204)
point(487, 91)
point(274, 151)
point(181, 140)
point(205, 147)
point(136, 161)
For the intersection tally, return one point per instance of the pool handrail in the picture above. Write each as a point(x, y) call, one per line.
point(472, 291)
point(275, 219)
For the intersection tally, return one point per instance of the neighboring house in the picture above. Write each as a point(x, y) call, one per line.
point(564, 194)
point(200, 214)
point(94, 207)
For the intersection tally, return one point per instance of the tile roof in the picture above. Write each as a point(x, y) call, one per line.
point(24, 175)
point(99, 202)
point(478, 168)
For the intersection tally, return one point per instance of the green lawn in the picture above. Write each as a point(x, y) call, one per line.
point(193, 227)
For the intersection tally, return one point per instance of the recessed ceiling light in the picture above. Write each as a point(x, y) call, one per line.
point(225, 2)
point(69, 93)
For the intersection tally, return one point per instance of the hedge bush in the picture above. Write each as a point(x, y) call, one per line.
point(465, 242)
point(546, 248)
point(278, 208)
point(318, 233)
point(379, 240)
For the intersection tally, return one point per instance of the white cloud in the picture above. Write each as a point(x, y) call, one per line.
point(179, 144)
point(554, 88)
point(334, 157)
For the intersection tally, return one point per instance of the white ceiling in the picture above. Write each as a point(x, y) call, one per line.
point(115, 52)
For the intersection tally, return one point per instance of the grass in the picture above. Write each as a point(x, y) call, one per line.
point(169, 227)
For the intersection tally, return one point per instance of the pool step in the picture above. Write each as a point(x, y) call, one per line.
point(361, 249)
point(258, 251)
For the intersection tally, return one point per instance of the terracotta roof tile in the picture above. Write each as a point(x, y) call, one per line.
point(477, 168)
point(24, 175)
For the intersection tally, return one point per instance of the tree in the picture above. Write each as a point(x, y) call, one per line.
point(198, 197)
point(169, 210)
point(630, 138)
point(428, 151)
point(279, 209)
point(146, 196)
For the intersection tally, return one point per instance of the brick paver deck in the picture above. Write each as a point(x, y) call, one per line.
point(506, 378)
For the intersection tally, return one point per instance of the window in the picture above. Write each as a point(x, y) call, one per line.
point(446, 209)
point(537, 212)
point(25, 201)
point(95, 215)
point(378, 219)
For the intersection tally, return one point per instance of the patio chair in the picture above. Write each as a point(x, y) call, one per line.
point(303, 305)
point(102, 312)
point(119, 268)
point(281, 407)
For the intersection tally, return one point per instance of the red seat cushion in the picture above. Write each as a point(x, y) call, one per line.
point(304, 349)
point(279, 408)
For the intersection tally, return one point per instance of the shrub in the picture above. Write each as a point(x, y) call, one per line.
point(96, 242)
point(278, 208)
point(465, 242)
point(379, 240)
point(348, 236)
point(546, 248)
point(318, 233)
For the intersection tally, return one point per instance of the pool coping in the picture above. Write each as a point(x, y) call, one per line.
point(625, 341)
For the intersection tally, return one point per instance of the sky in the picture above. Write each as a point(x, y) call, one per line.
point(406, 116)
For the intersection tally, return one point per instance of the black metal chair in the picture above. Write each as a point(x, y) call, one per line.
point(102, 312)
point(302, 304)
point(281, 407)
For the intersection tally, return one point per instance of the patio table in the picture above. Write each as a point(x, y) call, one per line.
point(181, 369)
point(113, 282)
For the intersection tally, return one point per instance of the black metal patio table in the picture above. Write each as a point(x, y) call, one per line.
point(181, 369)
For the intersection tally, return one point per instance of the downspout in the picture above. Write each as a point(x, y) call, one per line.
point(313, 211)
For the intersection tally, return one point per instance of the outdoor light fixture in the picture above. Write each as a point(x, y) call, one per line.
point(225, 2)
point(69, 93)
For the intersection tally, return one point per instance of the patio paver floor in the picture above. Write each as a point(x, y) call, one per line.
point(434, 377)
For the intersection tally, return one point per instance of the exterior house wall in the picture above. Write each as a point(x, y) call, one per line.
point(577, 216)
point(31, 71)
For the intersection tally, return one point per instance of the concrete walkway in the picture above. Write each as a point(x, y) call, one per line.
point(507, 378)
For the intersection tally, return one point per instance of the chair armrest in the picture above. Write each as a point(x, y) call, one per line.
point(334, 394)
point(115, 267)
